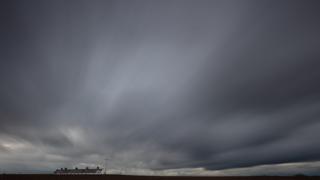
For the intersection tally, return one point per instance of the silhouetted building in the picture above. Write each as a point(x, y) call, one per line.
point(79, 171)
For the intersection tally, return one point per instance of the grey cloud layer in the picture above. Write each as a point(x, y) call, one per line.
point(159, 84)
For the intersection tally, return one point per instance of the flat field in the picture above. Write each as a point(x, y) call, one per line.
point(124, 177)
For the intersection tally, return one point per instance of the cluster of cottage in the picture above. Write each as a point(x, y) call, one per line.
point(79, 171)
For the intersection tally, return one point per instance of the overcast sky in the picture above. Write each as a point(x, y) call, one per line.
point(160, 85)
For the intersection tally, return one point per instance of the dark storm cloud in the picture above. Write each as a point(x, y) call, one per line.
point(159, 84)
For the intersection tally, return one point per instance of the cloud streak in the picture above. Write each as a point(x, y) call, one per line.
point(158, 84)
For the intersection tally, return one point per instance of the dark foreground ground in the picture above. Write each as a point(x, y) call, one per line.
point(123, 177)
